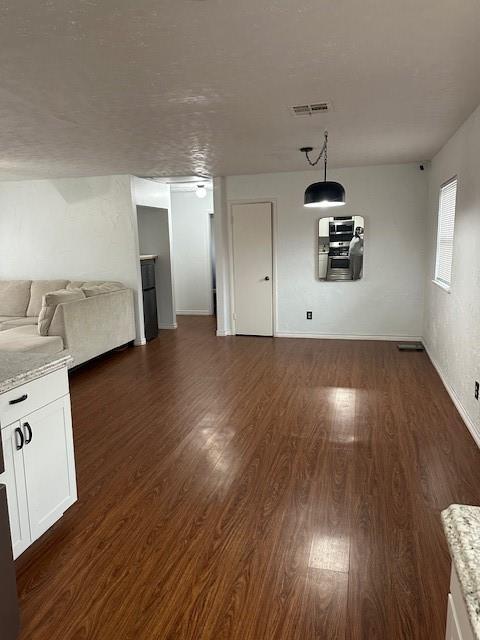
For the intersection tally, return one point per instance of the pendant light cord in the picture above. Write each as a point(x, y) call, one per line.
point(323, 152)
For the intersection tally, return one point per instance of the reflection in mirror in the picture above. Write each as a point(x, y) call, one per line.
point(340, 248)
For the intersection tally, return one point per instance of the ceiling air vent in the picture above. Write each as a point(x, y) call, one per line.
point(310, 109)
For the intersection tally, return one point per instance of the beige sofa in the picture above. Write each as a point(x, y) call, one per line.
point(51, 316)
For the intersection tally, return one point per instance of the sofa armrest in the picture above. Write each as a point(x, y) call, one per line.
point(92, 326)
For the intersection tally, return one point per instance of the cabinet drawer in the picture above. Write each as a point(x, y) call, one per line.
point(38, 393)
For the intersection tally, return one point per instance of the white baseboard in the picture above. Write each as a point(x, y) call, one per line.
point(194, 312)
point(168, 326)
point(341, 336)
point(328, 336)
point(455, 399)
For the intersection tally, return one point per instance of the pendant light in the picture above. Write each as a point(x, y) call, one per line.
point(322, 194)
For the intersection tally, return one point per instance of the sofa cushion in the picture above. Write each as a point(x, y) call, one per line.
point(38, 289)
point(14, 297)
point(27, 339)
point(87, 284)
point(49, 304)
point(11, 323)
point(99, 289)
point(74, 284)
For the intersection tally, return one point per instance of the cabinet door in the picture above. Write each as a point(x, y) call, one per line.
point(324, 228)
point(14, 479)
point(148, 274)
point(49, 464)
point(458, 618)
point(453, 632)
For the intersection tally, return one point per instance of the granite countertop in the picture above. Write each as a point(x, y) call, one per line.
point(16, 368)
point(461, 524)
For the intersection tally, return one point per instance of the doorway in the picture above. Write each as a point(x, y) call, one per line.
point(193, 248)
point(253, 268)
point(154, 234)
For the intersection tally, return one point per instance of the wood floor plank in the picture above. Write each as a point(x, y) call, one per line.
point(248, 488)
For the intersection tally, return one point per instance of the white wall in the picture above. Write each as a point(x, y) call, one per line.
point(191, 252)
point(388, 301)
point(149, 193)
point(221, 233)
point(82, 229)
point(154, 238)
point(452, 320)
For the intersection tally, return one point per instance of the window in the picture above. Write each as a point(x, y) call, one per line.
point(446, 224)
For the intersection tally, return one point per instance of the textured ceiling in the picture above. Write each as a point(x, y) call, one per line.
point(183, 87)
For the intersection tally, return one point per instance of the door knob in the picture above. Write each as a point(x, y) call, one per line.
point(267, 278)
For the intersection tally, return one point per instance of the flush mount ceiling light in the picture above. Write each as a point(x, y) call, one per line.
point(322, 194)
point(201, 191)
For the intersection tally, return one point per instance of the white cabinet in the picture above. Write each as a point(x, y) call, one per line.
point(14, 479)
point(324, 227)
point(458, 620)
point(358, 221)
point(453, 632)
point(322, 265)
point(49, 465)
point(39, 465)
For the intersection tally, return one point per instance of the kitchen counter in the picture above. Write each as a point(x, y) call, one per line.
point(16, 368)
point(149, 257)
point(461, 524)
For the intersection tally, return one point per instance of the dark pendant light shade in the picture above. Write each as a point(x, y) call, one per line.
point(324, 194)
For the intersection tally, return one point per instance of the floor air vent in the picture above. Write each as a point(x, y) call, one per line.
point(410, 346)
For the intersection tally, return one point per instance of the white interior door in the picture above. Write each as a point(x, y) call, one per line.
point(252, 268)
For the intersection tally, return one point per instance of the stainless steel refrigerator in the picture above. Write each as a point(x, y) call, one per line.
point(9, 615)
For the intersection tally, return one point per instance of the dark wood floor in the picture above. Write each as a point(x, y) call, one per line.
point(254, 489)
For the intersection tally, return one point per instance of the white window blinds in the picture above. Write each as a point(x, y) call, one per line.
point(446, 225)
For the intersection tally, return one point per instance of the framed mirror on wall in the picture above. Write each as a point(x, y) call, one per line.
point(340, 248)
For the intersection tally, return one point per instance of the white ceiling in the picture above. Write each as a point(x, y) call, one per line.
point(179, 87)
